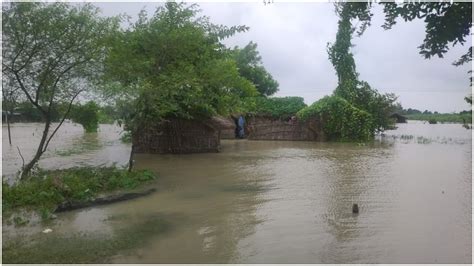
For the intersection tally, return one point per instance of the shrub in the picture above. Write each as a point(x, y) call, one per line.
point(340, 119)
point(51, 188)
point(278, 106)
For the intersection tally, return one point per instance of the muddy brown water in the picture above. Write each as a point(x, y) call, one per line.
point(281, 202)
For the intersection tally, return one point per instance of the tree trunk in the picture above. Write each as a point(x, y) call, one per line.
point(8, 126)
point(130, 161)
point(27, 169)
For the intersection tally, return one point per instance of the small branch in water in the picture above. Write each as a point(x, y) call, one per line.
point(22, 159)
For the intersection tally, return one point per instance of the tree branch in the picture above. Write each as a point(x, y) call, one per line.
point(22, 87)
point(62, 120)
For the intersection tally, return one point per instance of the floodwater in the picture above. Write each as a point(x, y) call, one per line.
point(281, 202)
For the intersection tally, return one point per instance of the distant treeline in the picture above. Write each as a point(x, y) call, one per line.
point(25, 112)
point(461, 117)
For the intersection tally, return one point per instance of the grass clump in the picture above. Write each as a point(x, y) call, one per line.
point(47, 189)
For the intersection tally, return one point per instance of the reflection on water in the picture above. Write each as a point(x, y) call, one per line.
point(290, 202)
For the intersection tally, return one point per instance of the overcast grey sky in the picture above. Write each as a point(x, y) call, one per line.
point(292, 39)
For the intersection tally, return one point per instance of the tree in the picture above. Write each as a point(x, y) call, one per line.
point(51, 53)
point(250, 67)
point(10, 95)
point(176, 67)
point(356, 92)
point(446, 23)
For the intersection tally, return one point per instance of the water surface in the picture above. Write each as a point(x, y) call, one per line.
point(285, 202)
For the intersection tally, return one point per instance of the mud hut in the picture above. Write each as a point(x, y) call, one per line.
point(398, 118)
point(269, 128)
point(181, 136)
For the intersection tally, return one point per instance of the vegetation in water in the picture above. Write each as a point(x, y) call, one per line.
point(82, 248)
point(342, 120)
point(126, 137)
point(355, 111)
point(48, 189)
point(87, 115)
point(52, 52)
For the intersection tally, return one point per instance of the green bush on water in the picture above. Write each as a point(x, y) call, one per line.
point(47, 189)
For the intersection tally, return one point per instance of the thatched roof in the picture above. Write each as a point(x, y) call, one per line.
point(219, 123)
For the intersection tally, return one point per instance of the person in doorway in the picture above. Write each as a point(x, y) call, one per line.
point(241, 124)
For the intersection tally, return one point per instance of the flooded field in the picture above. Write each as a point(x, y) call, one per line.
point(266, 201)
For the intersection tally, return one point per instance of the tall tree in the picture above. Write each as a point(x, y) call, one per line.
point(357, 92)
point(52, 52)
point(176, 66)
point(251, 67)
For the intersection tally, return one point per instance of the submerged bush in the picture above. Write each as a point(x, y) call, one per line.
point(340, 119)
point(87, 115)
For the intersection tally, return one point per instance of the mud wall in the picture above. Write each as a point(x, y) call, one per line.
point(268, 128)
point(176, 136)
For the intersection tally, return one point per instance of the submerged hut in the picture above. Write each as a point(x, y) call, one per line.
point(271, 128)
point(181, 136)
point(399, 118)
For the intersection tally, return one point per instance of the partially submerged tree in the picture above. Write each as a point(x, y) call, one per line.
point(87, 115)
point(354, 91)
point(51, 53)
point(176, 67)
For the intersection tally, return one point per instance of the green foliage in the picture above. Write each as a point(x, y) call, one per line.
point(126, 137)
point(432, 121)
point(250, 66)
point(51, 188)
point(380, 106)
point(445, 22)
point(87, 115)
point(176, 66)
point(341, 120)
point(278, 107)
